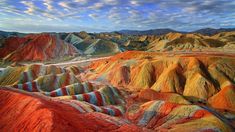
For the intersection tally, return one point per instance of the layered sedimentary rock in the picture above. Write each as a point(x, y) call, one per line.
point(197, 78)
point(131, 91)
point(170, 80)
point(92, 45)
point(30, 112)
point(224, 99)
point(166, 116)
point(35, 47)
point(59, 92)
point(195, 42)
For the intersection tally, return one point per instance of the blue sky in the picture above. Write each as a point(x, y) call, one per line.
point(113, 15)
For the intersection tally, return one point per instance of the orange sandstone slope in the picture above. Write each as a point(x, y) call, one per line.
point(196, 77)
point(165, 116)
point(224, 99)
point(10, 45)
point(29, 112)
point(50, 98)
point(36, 47)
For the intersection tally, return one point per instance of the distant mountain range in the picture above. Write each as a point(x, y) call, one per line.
point(162, 31)
point(16, 46)
point(147, 32)
point(7, 34)
point(212, 31)
point(204, 31)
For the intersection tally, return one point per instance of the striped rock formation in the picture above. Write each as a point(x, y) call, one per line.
point(89, 44)
point(132, 91)
point(204, 81)
point(224, 99)
point(25, 111)
point(35, 47)
point(63, 83)
point(23, 74)
point(166, 116)
point(149, 95)
point(196, 78)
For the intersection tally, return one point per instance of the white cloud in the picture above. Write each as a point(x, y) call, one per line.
point(111, 2)
point(93, 16)
point(31, 8)
point(81, 1)
point(64, 4)
point(125, 14)
point(114, 14)
point(134, 3)
point(97, 6)
point(48, 4)
point(190, 9)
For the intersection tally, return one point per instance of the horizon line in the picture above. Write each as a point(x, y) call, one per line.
point(116, 30)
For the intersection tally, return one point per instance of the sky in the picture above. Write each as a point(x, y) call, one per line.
point(114, 15)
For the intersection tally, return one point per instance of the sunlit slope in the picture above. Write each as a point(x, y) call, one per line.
point(39, 113)
point(138, 92)
point(198, 78)
point(192, 42)
point(36, 47)
point(165, 116)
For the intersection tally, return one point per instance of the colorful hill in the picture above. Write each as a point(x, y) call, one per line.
point(57, 88)
point(186, 42)
point(197, 78)
point(46, 46)
point(29, 111)
point(172, 41)
point(187, 86)
point(91, 44)
point(165, 116)
point(132, 91)
point(35, 47)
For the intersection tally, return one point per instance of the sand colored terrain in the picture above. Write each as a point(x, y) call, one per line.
point(198, 78)
point(193, 42)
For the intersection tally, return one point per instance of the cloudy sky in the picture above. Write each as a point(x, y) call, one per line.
point(112, 15)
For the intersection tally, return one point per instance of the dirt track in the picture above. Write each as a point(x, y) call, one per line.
point(78, 62)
